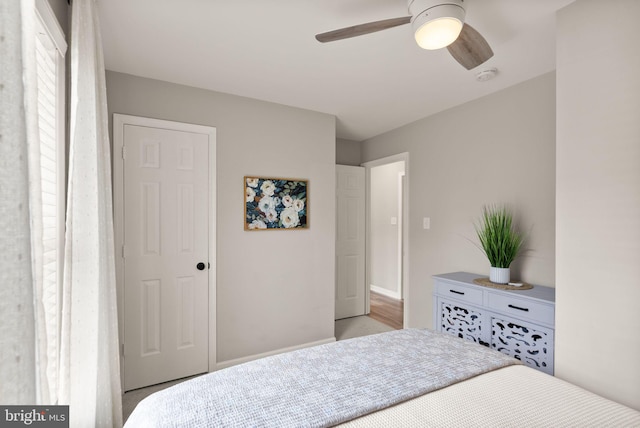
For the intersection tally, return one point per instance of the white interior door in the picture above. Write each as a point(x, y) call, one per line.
point(350, 241)
point(166, 236)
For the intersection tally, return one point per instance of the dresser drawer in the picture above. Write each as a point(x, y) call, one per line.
point(459, 292)
point(522, 308)
point(519, 323)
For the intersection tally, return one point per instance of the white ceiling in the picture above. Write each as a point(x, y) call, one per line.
point(374, 83)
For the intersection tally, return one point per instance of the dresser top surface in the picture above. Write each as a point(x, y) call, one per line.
point(539, 292)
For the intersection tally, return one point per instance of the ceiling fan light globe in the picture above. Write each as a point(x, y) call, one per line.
point(436, 23)
point(438, 33)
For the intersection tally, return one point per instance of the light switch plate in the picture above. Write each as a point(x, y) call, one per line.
point(426, 223)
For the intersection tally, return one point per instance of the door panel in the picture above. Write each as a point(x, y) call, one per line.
point(166, 200)
point(350, 241)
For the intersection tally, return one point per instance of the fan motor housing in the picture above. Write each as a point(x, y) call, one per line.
point(435, 8)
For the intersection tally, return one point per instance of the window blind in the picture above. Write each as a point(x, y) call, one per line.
point(47, 104)
point(50, 49)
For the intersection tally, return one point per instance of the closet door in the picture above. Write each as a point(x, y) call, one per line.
point(166, 259)
point(350, 241)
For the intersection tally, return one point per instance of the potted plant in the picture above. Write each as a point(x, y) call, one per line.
point(500, 241)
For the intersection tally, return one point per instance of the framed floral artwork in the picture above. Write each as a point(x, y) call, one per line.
point(275, 203)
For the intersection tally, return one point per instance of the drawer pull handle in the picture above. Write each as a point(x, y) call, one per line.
point(519, 308)
point(457, 292)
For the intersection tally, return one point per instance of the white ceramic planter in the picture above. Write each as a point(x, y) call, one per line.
point(499, 275)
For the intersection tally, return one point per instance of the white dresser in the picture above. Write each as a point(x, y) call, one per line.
point(519, 323)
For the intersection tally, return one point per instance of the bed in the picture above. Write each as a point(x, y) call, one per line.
point(403, 378)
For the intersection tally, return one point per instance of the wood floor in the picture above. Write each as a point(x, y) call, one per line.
point(387, 310)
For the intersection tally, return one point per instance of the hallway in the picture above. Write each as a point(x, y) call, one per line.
point(387, 310)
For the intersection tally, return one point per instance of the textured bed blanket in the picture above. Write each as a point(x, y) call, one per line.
point(320, 386)
point(514, 396)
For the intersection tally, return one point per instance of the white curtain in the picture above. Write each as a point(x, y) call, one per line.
point(20, 224)
point(89, 376)
point(90, 370)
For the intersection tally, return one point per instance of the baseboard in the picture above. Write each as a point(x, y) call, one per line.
point(236, 361)
point(385, 292)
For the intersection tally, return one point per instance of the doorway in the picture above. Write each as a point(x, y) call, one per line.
point(387, 286)
point(164, 205)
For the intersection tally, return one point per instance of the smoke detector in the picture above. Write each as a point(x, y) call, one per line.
point(487, 74)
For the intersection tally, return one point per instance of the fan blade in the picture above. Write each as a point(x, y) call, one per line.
point(359, 30)
point(470, 49)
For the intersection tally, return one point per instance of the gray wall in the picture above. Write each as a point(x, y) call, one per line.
point(497, 149)
point(348, 152)
point(598, 198)
point(275, 289)
point(384, 205)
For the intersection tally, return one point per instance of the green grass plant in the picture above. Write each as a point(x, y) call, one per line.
point(500, 241)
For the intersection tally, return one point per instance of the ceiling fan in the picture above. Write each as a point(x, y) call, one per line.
point(436, 24)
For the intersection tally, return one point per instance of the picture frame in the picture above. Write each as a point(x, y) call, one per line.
point(275, 203)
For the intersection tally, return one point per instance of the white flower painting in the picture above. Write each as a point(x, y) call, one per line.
point(251, 194)
point(275, 203)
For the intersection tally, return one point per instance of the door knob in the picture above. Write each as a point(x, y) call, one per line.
point(200, 266)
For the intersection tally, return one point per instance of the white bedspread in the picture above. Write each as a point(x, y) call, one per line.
point(320, 386)
point(515, 396)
